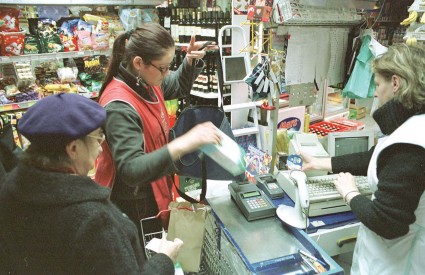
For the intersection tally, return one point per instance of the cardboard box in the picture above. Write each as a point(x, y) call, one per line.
point(291, 118)
point(357, 112)
point(352, 125)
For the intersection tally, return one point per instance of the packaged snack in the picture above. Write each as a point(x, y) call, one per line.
point(93, 19)
point(9, 17)
point(100, 36)
point(31, 44)
point(52, 12)
point(84, 26)
point(100, 41)
point(46, 27)
point(12, 43)
point(84, 40)
point(24, 74)
point(51, 43)
point(69, 43)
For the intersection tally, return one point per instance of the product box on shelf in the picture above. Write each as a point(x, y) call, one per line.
point(357, 112)
point(291, 118)
point(352, 125)
point(324, 127)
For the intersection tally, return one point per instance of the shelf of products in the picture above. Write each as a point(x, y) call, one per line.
point(51, 56)
point(385, 21)
point(416, 21)
point(85, 2)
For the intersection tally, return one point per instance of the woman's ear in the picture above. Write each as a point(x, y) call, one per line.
point(137, 63)
point(395, 82)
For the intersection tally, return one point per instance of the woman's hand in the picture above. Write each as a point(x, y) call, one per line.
point(345, 183)
point(194, 52)
point(201, 134)
point(170, 248)
point(313, 163)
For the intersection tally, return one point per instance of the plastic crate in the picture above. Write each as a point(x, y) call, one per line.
point(323, 128)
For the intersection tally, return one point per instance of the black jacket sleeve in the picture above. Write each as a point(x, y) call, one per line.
point(356, 163)
point(159, 264)
point(401, 175)
point(178, 84)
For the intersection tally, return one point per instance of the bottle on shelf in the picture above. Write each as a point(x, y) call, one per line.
point(228, 32)
point(174, 24)
point(198, 34)
point(182, 26)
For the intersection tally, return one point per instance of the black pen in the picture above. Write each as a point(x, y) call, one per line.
point(206, 44)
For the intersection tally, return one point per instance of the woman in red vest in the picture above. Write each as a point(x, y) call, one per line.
point(137, 158)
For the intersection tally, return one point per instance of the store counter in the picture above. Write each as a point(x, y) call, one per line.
point(264, 246)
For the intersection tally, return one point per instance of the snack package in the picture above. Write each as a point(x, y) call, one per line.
point(84, 40)
point(100, 41)
point(84, 26)
point(93, 19)
point(69, 43)
point(46, 27)
point(24, 74)
point(51, 43)
point(31, 44)
point(9, 18)
point(12, 43)
point(67, 35)
point(100, 36)
point(52, 12)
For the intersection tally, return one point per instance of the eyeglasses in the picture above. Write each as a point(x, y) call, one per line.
point(100, 138)
point(161, 69)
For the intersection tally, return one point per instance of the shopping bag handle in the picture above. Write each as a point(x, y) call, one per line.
point(204, 184)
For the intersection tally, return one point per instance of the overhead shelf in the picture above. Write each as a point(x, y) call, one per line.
point(85, 2)
point(26, 104)
point(50, 56)
point(17, 106)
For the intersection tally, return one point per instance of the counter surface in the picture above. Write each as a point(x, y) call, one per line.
point(250, 235)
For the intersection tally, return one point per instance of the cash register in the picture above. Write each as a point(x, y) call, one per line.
point(252, 201)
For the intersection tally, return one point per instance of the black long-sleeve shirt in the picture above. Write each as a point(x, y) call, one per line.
point(401, 175)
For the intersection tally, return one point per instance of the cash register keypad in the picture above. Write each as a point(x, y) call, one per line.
point(256, 203)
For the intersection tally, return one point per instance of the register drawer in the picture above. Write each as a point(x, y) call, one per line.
point(338, 240)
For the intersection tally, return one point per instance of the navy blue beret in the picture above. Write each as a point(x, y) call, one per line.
point(64, 116)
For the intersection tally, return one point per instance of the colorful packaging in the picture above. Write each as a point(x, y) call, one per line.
point(31, 44)
point(12, 43)
point(84, 40)
point(9, 19)
point(51, 43)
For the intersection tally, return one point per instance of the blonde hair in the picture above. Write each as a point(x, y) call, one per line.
point(407, 62)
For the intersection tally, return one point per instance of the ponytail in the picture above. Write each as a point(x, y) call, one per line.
point(117, 56)
point(150, 41)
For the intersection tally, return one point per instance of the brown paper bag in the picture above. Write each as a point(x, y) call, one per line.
point(188, 224)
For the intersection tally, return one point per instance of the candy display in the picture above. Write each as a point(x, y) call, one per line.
point(9, 19)
point(12, 43)
point(38, 31)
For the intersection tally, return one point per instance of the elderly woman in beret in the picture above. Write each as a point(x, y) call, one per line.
point(54, 218)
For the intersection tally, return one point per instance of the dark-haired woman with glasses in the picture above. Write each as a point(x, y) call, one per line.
point(137, 158)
